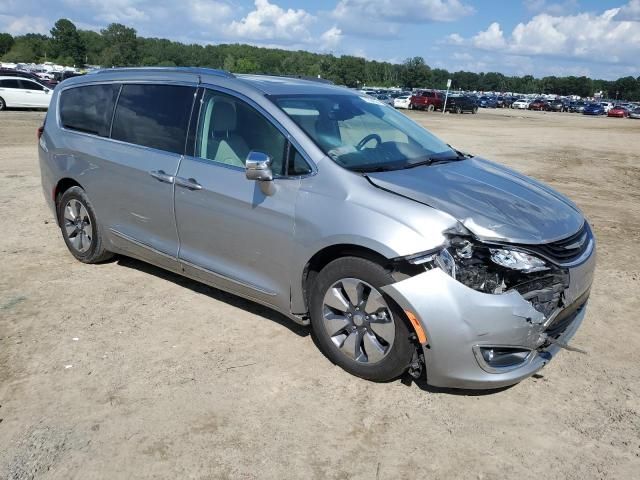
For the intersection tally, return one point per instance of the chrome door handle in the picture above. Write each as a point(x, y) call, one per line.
point(162, 176)
point(189, 183)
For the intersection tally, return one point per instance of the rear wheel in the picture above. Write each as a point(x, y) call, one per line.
point(411, 106)
point(357, 326)
point(458, 110)
point(3, 105)
point(431, 108)
point(475, 110)
point(80, 229)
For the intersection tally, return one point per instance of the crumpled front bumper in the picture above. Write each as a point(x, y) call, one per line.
point(458, 320)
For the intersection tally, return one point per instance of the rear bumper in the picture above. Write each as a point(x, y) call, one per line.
point(459, 322)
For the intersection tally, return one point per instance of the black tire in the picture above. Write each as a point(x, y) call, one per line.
point(3, 104)
point(397, 360)
point(411, 106)
point(458, 110)
point(475, 110)
point(96, 252)
point(431, 108)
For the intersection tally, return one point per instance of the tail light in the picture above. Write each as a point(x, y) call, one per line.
point(40, 131)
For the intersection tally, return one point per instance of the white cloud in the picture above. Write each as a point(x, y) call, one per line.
point(454, 39)
point(586, 36)
point(270, 22)
point(491, 38)
point(24, 24)
point(115, 11)
point(331, 38)
point(208, 12)
point(552, 8)
point(630, 11)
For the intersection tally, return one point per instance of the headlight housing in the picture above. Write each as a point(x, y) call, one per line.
point(496, 269)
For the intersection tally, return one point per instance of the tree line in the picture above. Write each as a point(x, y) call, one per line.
point(119, 45)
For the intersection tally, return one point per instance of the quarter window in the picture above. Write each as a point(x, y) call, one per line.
point(228, 129)
point(89, 109)
point(155, 116)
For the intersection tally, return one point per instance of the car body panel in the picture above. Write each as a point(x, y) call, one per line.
point(492, 201)
point(24, 97)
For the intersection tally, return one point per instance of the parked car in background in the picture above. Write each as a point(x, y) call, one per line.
point(539, 104)
point(62, 76)
point(403, 101)
point(557, 106)
point(427, 100)
point(461, 104)
point(635, 113)
point(500, 101)
point(521, 104)
point(8, 72)
point(607, 106)
point(577, 107)
point(594, 109)
point(384, 99)
point(486, 101)
point(401, 252)
point(618, 111)
point(18, 92)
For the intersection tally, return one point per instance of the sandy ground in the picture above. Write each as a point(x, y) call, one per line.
point(124, 371)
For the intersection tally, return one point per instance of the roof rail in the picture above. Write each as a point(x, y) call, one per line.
point(191, 70)
point(309, 78)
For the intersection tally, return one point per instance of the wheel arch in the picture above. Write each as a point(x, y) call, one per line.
point(62, 186)
point(332, 252)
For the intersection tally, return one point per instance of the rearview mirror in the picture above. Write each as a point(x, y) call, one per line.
point(258, 166)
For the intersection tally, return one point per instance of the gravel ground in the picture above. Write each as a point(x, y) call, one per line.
point(123, 370)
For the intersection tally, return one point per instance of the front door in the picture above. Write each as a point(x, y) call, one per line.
point(236, 233)
point(35, 95)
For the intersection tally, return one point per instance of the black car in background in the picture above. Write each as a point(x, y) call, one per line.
point(577, 107)
point(461, 104)
point(9, 72)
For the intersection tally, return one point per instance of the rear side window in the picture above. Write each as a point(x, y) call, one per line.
point(88, 109)
point(154, 116)
point(9, 84)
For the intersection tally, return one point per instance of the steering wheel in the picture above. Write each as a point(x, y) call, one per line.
point(367, 139)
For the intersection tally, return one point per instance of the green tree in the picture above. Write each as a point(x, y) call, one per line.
point(66, 42)
point(6, 42)
point(415, 73)
point(94, 45)
point(121, 46)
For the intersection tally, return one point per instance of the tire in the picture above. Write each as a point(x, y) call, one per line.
point(3, 104)
point(431, 108)
point(411, 106)
point(475, 110)
point(365, 358)
point(458, 110)
point(78, 224)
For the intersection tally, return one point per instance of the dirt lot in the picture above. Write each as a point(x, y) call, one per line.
point(124, 371)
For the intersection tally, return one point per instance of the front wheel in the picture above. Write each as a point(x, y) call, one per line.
point(357, 326)
point(458, 110)
point(475, 110)
point(431, 108)
point(3, 105)
point(410, 106)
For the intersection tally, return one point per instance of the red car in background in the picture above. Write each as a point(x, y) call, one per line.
point(426, 100)
point(618, 111)
point(539, 104)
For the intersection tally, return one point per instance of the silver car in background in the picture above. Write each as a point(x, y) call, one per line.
point(404, 254)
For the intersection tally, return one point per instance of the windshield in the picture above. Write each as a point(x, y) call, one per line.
point(363, 134)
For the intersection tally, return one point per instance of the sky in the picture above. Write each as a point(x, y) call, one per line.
point(597, 38)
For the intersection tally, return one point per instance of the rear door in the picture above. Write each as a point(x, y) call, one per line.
point(136, 186)
point(12, 93)
point(236, 233)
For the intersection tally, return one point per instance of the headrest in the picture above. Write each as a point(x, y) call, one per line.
point(224, 116)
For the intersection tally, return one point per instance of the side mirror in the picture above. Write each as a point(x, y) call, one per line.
point(258, 167)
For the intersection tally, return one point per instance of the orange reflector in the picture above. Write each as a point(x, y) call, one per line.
point(422, 337)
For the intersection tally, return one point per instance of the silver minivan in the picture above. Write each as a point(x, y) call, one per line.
point(405, 255)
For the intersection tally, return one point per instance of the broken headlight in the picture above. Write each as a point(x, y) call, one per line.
point(497, 269)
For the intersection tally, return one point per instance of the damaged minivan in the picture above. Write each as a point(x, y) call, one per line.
point(405, 255)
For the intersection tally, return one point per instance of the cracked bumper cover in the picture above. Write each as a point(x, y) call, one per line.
point(457, 318)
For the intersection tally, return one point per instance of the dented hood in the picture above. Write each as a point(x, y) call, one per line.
point(492, 201)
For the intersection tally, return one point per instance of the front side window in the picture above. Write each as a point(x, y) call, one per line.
point(228, 129)
point(29, 85)
point(154, 116)
point(362, 134)
point(89, 109)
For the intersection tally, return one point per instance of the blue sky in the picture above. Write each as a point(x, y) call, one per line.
point(598, 38)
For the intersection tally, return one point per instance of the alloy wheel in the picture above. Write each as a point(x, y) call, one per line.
point(358, 320)
point(77, 225)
